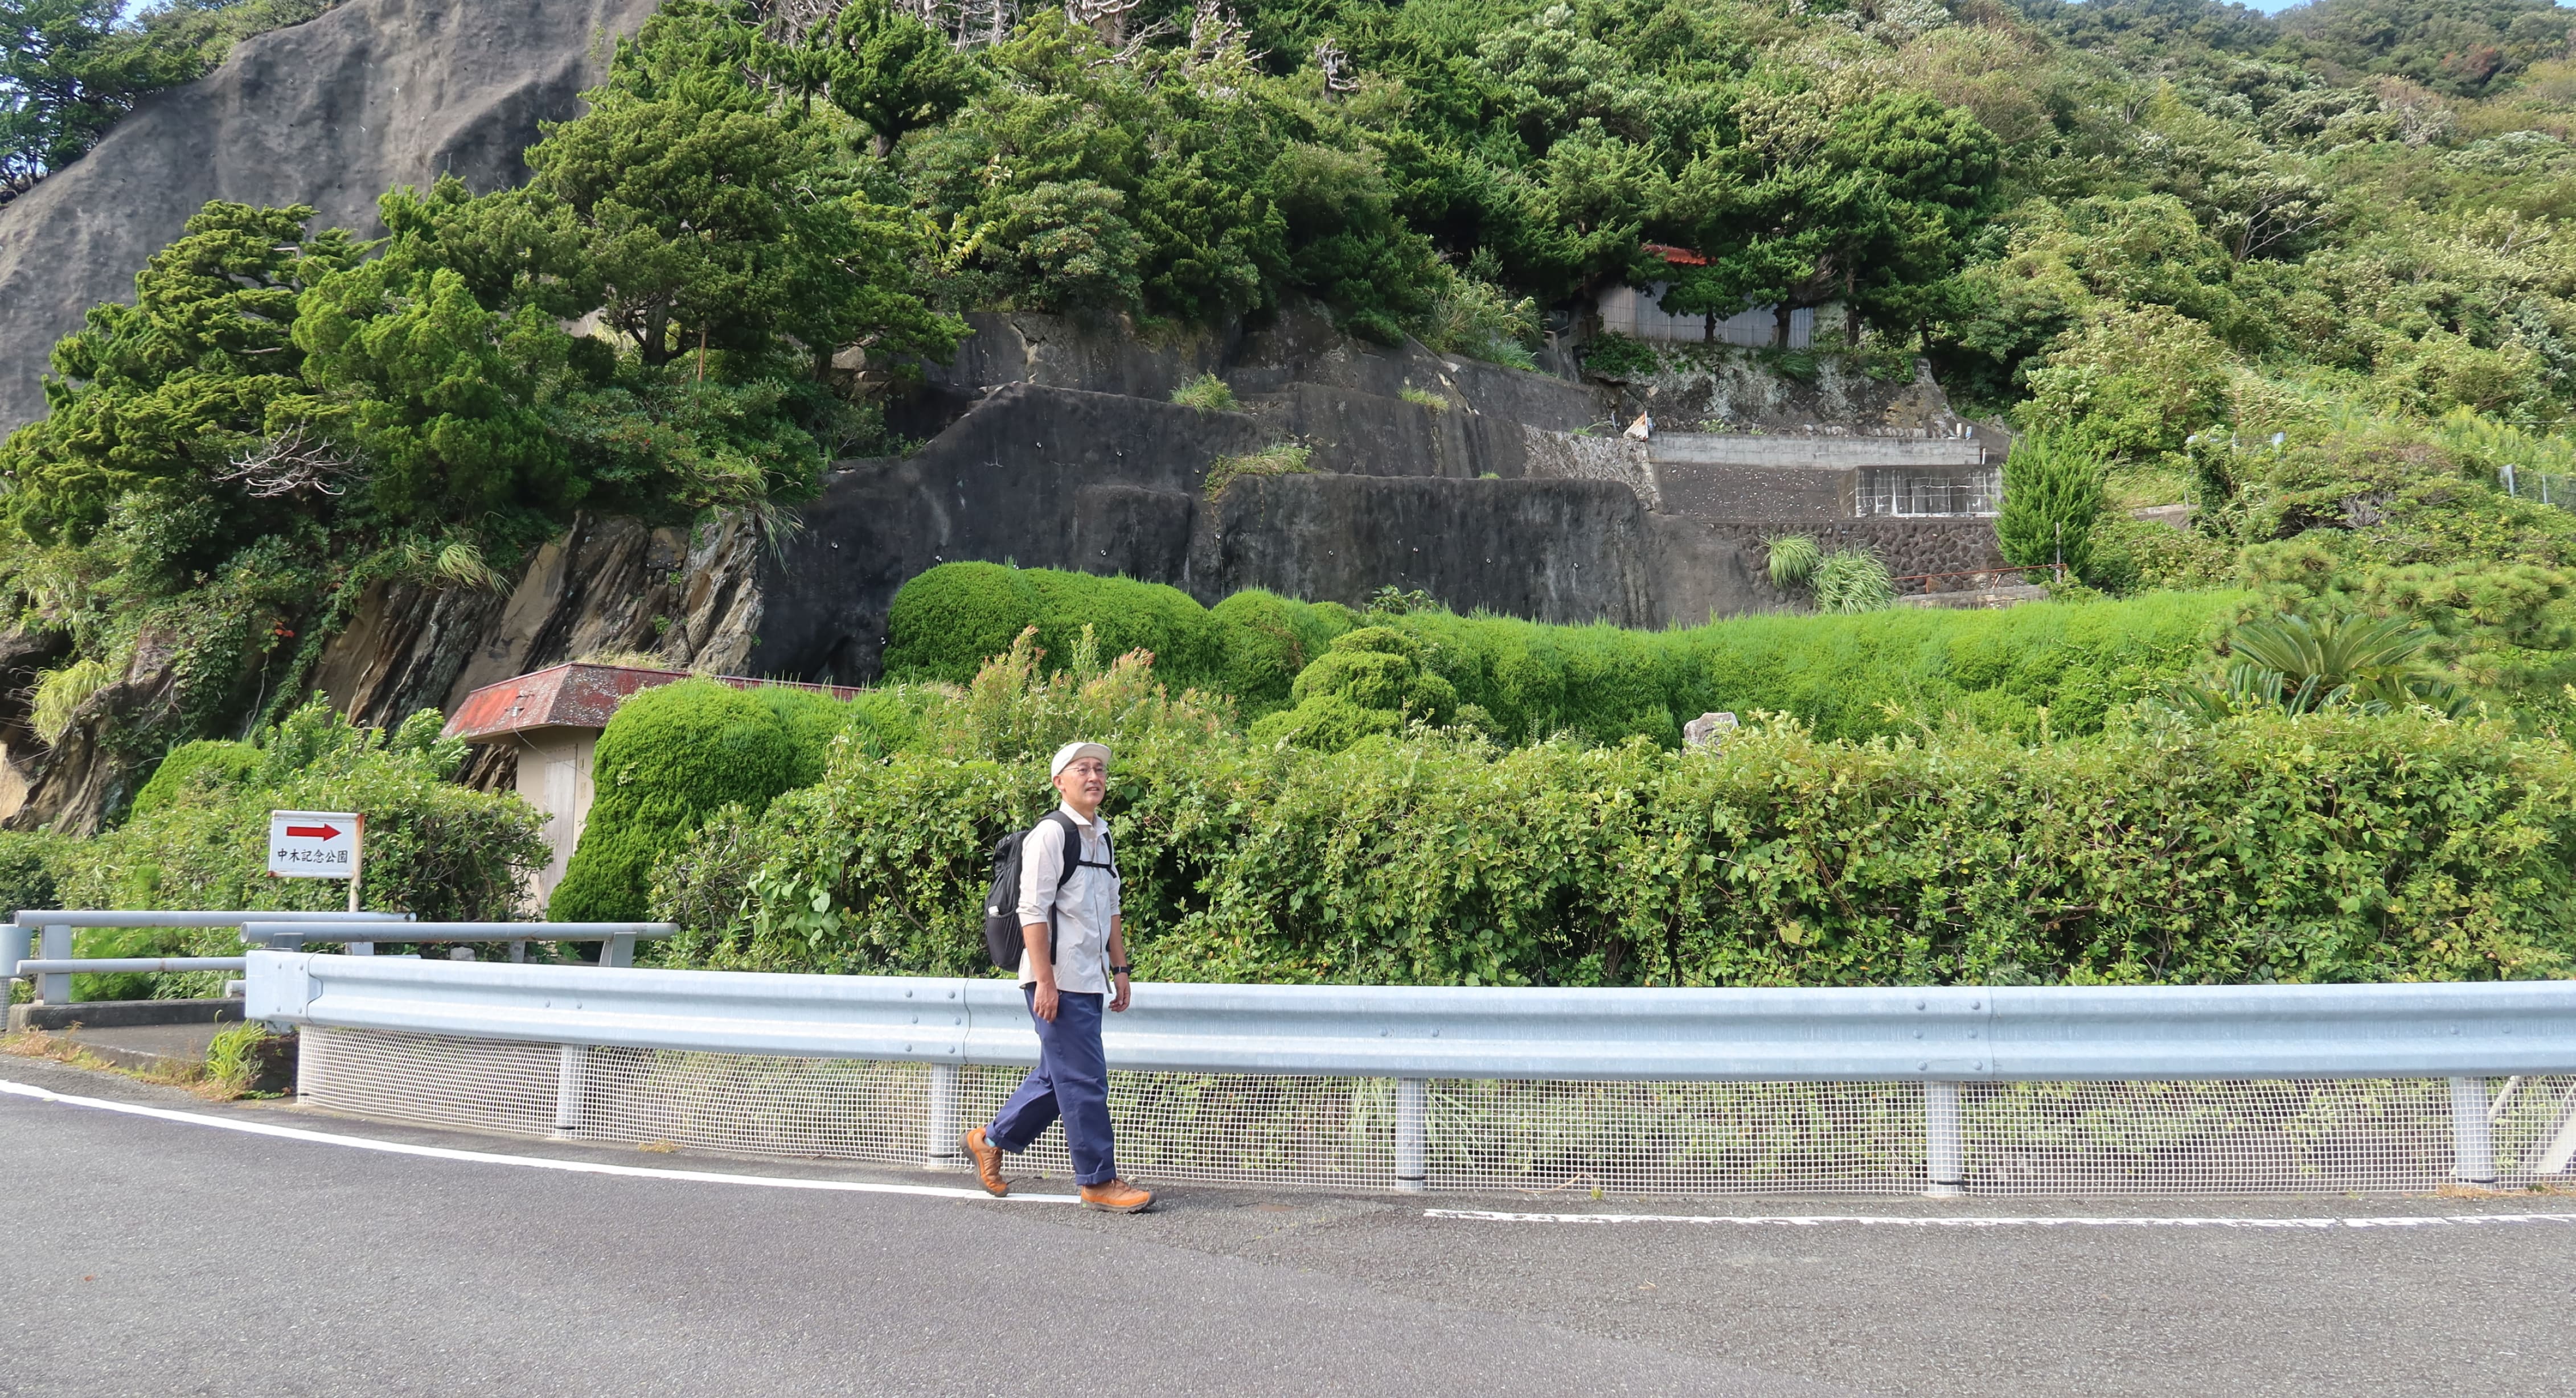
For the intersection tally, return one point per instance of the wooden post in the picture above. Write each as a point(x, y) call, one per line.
point(357, 859)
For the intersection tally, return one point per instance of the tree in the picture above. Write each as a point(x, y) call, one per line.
point(2052, 496)
point(1866, 205)
point(70, 69)
point(166, 391)
point(891, 72)
point(715, 229)
point(67, 72)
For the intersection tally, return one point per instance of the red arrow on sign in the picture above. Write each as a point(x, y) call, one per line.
point(312, 832)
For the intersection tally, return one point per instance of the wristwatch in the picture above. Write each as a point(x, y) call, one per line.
point(1117, 970)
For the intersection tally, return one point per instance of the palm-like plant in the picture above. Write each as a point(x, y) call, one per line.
point(2298, 665)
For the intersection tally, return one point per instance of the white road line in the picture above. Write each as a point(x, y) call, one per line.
point(2007, 1221)
point(531, 1162)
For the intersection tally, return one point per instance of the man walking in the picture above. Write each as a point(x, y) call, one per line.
point(1075, 943)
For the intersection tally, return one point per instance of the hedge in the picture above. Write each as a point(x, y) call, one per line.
point(947, 622)
point(1848, 676)
point(2328, 847)
point(198, 838)
point(670, 755)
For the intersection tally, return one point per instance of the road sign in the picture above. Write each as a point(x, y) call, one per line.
point(314, 844)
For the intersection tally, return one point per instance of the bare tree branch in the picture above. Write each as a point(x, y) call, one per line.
point(293, 463)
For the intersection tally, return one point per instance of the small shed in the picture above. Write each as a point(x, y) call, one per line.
point(553, 716)
point(1636, 311)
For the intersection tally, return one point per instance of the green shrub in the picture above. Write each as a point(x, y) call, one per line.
point(1368, 681)
point(977, 766)
point(669, 757)
point(434, 849)
point(2262, 848)
point(1207, 393)
point(1791, 559)
point(205, 765)
point(1852, 580)
point(2052, 495)
point(237, 1057)
point(27, 869)
point(1616, 356)
point(1888, 672)
point(1267, 641)
point(1851, 676)
point(947, 622)
point(1277, 459)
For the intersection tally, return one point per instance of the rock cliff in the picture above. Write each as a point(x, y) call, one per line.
point(330, 113)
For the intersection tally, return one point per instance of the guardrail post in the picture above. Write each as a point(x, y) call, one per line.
point(54, 943)
point(1944, 1159)
point(572, 1088)
point(618, 950)
point(2472, 1141)
point(16, 945)
point(941, 1122)
point(1410, 1172)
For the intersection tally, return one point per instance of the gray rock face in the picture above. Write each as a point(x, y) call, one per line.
point(330, 113)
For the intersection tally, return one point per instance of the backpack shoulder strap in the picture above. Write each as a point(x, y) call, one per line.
point(1072, 847)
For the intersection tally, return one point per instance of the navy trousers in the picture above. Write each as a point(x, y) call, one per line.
point(1071, 1082)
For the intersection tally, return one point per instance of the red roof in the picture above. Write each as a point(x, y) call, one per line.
point(577, 696)
point(1679, 257)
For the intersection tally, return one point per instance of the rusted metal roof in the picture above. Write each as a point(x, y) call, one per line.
point(577, 696)
point(1679, 257)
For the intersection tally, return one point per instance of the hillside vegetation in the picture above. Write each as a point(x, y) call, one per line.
point(2340, 844)
point(2304, 273)
point(2308, 275)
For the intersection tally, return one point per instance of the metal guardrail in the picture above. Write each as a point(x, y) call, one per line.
point(1939, 1036)
point(617, 939)
point(45, 935)
point(105, 965)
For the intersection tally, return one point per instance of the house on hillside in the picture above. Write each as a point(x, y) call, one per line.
point(1628, 310)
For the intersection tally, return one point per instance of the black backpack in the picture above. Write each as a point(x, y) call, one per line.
point(1003, 939)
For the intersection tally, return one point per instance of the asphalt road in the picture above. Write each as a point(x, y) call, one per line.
point(155, 1257)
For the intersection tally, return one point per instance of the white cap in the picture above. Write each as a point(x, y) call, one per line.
point(1065, 755)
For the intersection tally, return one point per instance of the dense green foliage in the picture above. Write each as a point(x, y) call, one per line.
point(70, 68)
point(2326, 847)
point(434, 849)
point(2052, 498)
point(1849, 676)
point(669, 756)
point(283, 418)
point(2143, 226)
point(947, 622)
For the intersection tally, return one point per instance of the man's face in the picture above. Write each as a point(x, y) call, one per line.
point(1083, 782)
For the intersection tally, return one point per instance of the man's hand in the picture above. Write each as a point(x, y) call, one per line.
point(1118, 1001)
point(1042, 970)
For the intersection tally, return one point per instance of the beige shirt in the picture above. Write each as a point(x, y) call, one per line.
point(1084, 911)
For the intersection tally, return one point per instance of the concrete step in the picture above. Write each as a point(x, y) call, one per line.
point(101, 1014)
point(174, 1048)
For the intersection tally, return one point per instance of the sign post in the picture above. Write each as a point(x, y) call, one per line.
point(320, 845)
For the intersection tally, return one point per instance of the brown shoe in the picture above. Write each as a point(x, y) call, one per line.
point(988, 1163)
point(1118, 1197)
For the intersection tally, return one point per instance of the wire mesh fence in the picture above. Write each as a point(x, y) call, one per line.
point(1908, 492)
point(1482, 1135)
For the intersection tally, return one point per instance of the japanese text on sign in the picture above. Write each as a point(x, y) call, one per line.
point(313, 844)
